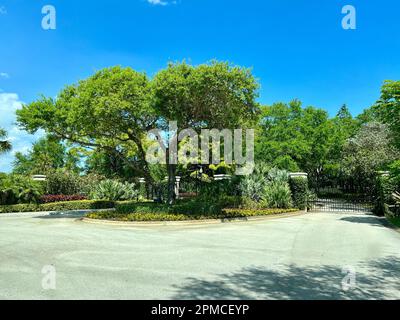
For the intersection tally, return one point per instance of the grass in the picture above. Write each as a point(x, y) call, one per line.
point(161, 216)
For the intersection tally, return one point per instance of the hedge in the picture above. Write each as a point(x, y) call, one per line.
point(165, 216)
point(188, 206)
point(182, 207)
point(384, 189)
point(299, 188)
point(58, 206)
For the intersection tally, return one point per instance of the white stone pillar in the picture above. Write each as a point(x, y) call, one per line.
point(177, 182)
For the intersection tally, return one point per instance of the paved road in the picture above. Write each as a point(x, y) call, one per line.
point(303, 257)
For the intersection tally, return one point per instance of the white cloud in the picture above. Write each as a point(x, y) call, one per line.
point(20, 140)
point(3, 10)
point(161, 2)
point(4, 75)
point(157, 2)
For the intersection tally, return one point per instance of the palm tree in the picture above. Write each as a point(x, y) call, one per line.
point(5, 145)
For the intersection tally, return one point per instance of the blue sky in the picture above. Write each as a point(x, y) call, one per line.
point(297, 48)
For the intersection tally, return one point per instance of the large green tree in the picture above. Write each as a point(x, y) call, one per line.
point(388, 108)
point(107, 164)
point(295, 138)
point(5, 145)
point(216, 95)
point(369, 151)
point(46, 155)
point(109, 111)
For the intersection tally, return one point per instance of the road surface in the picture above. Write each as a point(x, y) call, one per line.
point(313, 256)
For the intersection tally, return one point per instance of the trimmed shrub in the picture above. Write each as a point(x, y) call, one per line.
point(300, 191)
point(63, 182)
point(213, 189)
point(256, 212)
point(58, 206)
point(182, 207)
point(49, 198)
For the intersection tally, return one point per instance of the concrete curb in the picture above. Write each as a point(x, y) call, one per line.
point(193, 222)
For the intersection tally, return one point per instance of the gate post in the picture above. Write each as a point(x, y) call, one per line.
point(177, 186)
point(299, 191)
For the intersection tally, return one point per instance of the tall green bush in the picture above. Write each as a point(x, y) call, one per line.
point(19, 189)
point(63, 182)
point(384, 190)
point(300, 191)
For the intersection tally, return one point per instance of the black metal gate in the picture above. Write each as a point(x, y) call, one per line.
point(335, 200)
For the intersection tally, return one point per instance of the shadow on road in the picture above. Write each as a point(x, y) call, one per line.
point(375, 280)
point(63, 215)
point(371, 220)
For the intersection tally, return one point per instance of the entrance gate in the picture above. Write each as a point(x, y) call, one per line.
point(335, 200)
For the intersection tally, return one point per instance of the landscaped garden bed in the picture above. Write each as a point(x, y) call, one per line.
point(162, 216)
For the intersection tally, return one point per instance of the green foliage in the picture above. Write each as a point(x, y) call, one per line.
point(253, 186)
point(388, 107)
point(184, 207)
point(88, 183)
point(5, 145)
point(266, 187)
point(58, 206)
point(113, 110)
point(159, 215)
point(395, 174)
point(395, 220)
point(214, 189)
point(221, 168)
point(110, 111)
point(294, 137)
point(300, 192)
point(63, 182)
point(384, 191)
point(108, 164)
point(47, 154)
point(8, 197)
point(277, 194)
point(19, 189)
point(368, 152)
point(114, 190)
point(212, 95)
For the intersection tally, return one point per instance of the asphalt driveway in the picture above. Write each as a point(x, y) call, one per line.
point(314, 256)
